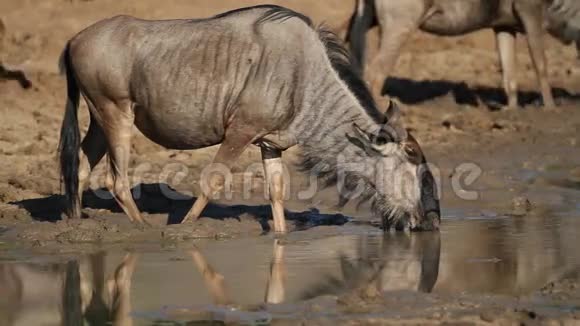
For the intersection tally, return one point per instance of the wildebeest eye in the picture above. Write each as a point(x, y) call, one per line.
point(381, 140)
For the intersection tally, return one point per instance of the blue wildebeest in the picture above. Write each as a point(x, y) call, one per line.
point(398, 19)
point(260, 75)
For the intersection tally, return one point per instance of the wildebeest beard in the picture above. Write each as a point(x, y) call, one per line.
point(324, 164)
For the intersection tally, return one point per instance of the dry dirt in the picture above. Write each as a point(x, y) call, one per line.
point(446, 85)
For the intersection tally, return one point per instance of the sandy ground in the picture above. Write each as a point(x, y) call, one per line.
point(444, 83)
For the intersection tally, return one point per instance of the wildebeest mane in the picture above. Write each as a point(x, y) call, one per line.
point(274, 13)
point(343, 64)
point(281, 14)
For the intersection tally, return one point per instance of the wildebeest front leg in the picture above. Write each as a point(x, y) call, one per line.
point(506, 46)
point(274, 170)
point(275, 289)
point(531, 15)
point(234, 144)
point(213, 280)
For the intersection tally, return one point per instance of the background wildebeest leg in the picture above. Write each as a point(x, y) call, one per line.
point(237, 139)
point(117, 130)
point(342, 29)
point(395, 29)
point(275, 288)
point(15, 75)
point(506, 46)
point(578, 49)
point(93, 148)
point(363, 18)
point(530, 13)
point(274, 169)
point(213, 280)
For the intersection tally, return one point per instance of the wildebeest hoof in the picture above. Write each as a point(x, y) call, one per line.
point(142, 226)
point(496, 106)
point(508, 108)
point(549, 107)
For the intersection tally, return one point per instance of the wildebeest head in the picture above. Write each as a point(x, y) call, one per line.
point(399, 182)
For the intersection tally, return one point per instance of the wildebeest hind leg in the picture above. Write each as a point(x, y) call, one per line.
point(117, 129)
point(119, 291)
point(93, 148)
point(236, 141)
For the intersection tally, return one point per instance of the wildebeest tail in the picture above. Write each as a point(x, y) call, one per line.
point(563, 18)
point(362, 19)
point(70, 138)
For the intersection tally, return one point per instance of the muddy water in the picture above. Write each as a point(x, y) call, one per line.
point(232, 280)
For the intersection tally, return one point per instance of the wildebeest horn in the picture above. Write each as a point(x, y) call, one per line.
point(393, 124)
point(393, 113)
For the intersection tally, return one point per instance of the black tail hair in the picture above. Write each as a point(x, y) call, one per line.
point(71, 296)
point(70, 139)
point(360, 23)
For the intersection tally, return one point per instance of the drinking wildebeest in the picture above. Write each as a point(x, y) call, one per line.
point(398, 19)
point(260, 75)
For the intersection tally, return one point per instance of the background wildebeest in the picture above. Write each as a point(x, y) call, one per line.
point(6, 73)
point(260, 75)
point(398, 19)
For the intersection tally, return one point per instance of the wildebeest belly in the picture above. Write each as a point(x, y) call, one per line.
point(179, 126)
point(458, 17)
point(180, 104)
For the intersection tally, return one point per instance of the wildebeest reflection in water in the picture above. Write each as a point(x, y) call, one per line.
point(395, 262)
point(211, 283)
point(77, 292)
point(66, 294)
